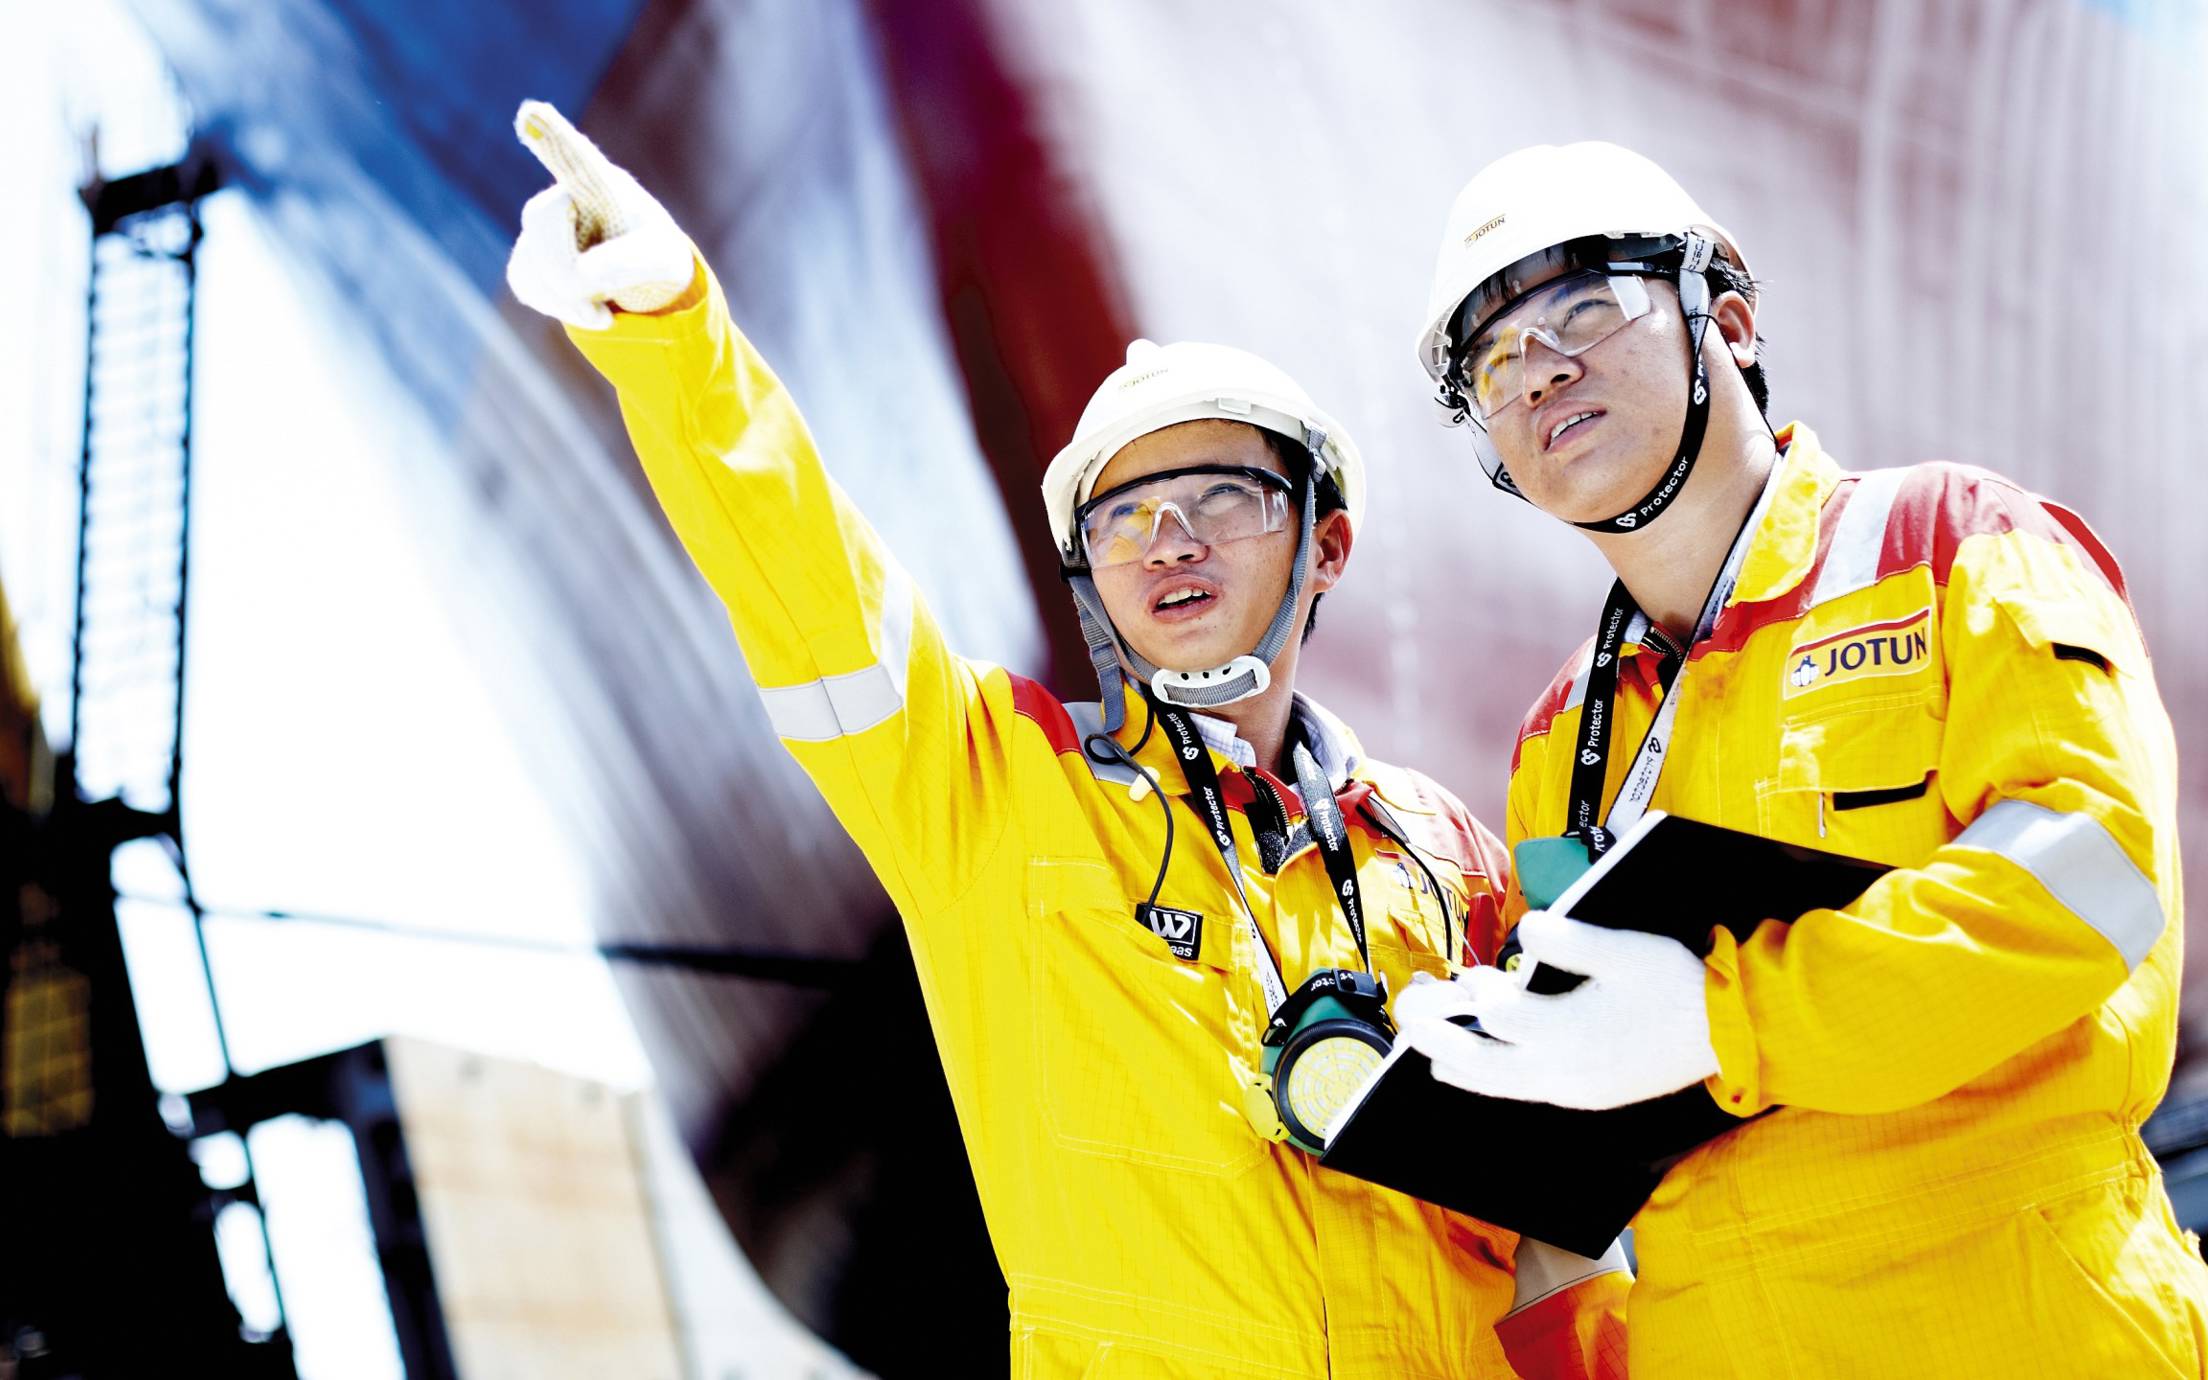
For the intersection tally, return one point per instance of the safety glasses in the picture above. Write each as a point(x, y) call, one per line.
point(1213, 504)
point(1570, 315)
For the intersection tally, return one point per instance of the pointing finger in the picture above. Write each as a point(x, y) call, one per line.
point(576, 164)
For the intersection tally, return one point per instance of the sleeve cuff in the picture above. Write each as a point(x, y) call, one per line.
point(1573, 1334)
point(686, 315)
point(1736, 1085)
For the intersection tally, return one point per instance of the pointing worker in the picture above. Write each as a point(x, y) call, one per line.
point(1112, 905)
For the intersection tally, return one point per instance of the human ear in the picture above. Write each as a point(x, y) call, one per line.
point(1330, 543)
point(1735, 317)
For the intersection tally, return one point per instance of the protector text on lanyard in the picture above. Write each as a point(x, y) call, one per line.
point(1623, 622)
point(1327, 828)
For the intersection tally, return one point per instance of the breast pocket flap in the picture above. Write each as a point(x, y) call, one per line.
point(2095, 631)
point(1085, 891)
point(1874, 757)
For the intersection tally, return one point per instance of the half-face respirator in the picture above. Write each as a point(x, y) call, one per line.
point(1324, 1042)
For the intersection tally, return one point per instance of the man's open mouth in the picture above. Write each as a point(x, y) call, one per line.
point(1567, 425)
point(1184, 600)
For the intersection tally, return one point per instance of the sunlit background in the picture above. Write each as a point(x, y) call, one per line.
point(470, 758)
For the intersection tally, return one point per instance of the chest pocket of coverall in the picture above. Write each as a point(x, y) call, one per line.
point(1131, 1043)
point(1425, 929)
point(1860, 780)
point(1422, 929)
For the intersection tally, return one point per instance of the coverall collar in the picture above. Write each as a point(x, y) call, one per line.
point(1332, 744)
point(1784, 548)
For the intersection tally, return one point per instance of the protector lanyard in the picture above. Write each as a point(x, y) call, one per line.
point(1623, 622)
point(1320, 808)
point(1325, 816)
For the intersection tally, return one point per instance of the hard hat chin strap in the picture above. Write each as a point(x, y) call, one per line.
point(1694, 305)
point(1207, 688)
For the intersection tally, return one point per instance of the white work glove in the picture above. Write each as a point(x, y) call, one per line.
point(1635, 1029)
point(595, 236)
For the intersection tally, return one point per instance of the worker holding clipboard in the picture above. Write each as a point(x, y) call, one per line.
point(1937, 1169)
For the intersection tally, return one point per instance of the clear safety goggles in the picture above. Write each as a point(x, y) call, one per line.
point(1570, 315)
point(1212, 503)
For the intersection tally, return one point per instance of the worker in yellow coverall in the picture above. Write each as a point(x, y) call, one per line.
point(1926, 666)
point(1107, 902)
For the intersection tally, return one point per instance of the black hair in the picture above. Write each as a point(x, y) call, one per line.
point(1295, 457)
point(1723, 275)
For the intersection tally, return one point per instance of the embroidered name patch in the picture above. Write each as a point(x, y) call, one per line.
point(1892, 648)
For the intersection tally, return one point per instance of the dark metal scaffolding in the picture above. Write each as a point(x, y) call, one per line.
point(111, 1266)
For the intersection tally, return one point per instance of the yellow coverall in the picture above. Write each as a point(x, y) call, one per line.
point(1934, 669)
point(1143, 1227)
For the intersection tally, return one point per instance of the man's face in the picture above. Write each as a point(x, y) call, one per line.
point(1182, 604)
point(1634, 383)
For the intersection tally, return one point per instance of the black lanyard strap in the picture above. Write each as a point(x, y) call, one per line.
point(1622, 622)
point(1592, 762)
point(1325, 814)
point(1211, 805)
point(1203, 780)
point(1327, 829)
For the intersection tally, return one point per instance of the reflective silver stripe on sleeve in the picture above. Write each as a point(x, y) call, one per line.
point(1852, 561)
point(2081, 865)
point(1544, 1271)
point(1578, 695)
point(819, 711)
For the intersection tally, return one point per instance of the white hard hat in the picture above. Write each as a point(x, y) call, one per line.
point(1164, 385)
point(1542, 197)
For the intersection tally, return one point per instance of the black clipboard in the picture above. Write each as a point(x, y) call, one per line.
point(1573, 1178)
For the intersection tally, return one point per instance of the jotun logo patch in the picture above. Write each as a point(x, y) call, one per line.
point(1894, 648)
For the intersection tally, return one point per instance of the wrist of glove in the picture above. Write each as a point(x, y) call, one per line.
point(1636, 1029)
point(594, 237)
